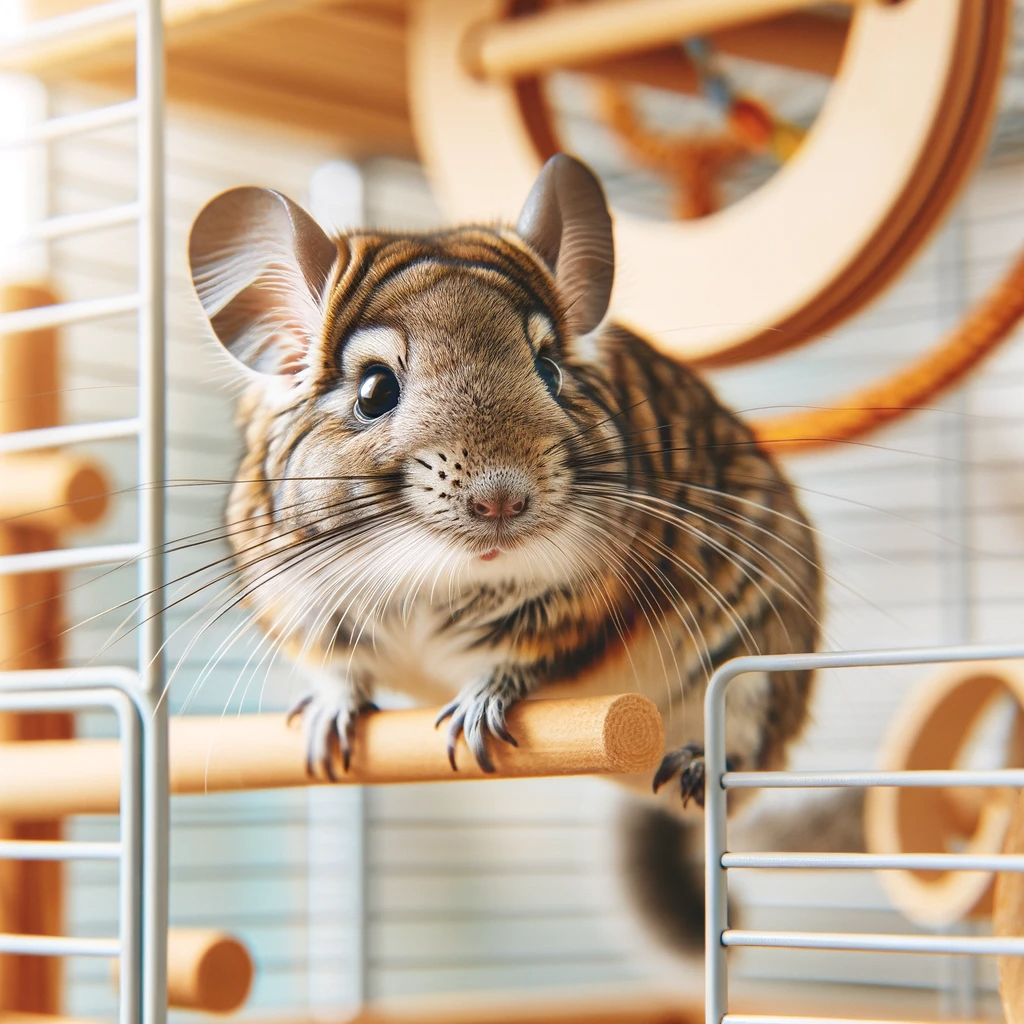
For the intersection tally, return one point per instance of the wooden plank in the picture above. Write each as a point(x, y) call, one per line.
point(113, 44)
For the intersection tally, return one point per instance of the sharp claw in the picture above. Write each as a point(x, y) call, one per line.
point(327, 762)
point(504, 734)
point(458, 718)
point(663, 774)
point(671, 764)
point(297, 708)
point(446, 712)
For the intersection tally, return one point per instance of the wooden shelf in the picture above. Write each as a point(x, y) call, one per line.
point(334, 67)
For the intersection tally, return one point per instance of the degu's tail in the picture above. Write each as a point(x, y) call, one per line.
point(664, 861)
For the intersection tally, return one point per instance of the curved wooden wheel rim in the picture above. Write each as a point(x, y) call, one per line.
point(901, 128)
point(1008, 920)
point(929, 731)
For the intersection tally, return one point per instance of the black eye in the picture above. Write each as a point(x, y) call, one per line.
point(551, 373)
point(378, 393)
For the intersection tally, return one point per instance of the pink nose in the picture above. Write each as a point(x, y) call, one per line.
point(498, 506)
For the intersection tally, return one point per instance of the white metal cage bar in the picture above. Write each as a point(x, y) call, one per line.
point(73, 433)
point(68, 558)
point(63, 314)
point(118, 690)
point(719, 938)
point(142, 944)
point(76, 124)
point(69, 25)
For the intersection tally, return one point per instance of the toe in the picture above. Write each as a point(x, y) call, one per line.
point(691, 783)
point(446, 712)
point(298, 707)
point(674, 762)
point(496, 722)
point(476, 738)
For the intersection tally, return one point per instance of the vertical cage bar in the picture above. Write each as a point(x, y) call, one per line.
point(716, 977)
point(155, 803)
point(130, 888)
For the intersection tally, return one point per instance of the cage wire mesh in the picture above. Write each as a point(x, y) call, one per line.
point(344, 895)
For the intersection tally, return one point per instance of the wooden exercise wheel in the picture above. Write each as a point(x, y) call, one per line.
point(904, 120)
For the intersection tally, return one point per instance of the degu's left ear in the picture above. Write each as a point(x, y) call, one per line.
point(566, 221)
point(260, 266)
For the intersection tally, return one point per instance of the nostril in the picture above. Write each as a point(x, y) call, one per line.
point(498, 506)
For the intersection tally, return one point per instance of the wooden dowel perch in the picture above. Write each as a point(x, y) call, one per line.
point(933, 729)
point(207, 970)
point(596, 735)
point(573, 35)
point(51, 490)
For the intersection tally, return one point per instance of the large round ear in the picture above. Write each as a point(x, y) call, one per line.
point(566, 221)
point(260, 266)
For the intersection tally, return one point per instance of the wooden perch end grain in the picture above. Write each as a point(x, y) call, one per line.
point(207, 970)
point(620, 734)
point(52, 490)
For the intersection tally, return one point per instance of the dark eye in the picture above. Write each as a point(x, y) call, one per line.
point(551, 373)
point(378, 393)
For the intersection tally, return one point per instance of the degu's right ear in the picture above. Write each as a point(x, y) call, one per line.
point(260, 266)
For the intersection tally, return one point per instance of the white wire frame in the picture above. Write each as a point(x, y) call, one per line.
point(143, 941)
point(719, 938)
point(116, 689)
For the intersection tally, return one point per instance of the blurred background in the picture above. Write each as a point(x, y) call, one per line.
point(347, 895)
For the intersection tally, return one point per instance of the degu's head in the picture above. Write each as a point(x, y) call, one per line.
point(427, 395)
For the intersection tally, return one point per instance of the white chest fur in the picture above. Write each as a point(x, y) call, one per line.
point(420, 654)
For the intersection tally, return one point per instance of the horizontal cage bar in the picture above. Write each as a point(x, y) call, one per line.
point(758, 1018)
point(38, 849)
point(71, 433)
point(877, 861)
point(56, 128)
point(51, 681)
point(66, 25)
point(69, 224)
point(68, 558)
point(58, 945)
point(40, 317)
point(930, 779)
point(962, 945)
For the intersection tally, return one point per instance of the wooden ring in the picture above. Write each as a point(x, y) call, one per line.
point(902, 125)
point(1008, 920)
point(930, 731)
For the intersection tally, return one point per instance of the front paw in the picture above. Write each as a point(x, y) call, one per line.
point(688, 763)
point(329, 725)
point(475, 714)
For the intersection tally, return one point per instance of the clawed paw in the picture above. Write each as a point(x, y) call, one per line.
point(329, 725)
point(476, 715)
point(688, 763)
